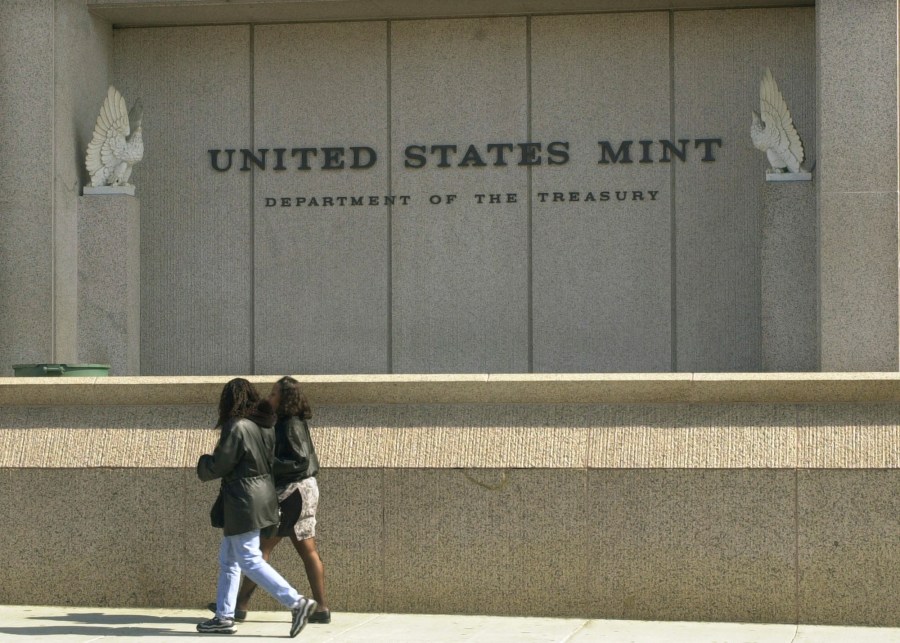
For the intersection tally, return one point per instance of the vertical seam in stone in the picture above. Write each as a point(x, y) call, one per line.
point(54, 246)
point(390, 209)
point(797, 540)
point(529, 241)
point(384, 597)
point(252, 106)
point(818, 185)
point(673, 275)
point(756, 357)
point(797, 445)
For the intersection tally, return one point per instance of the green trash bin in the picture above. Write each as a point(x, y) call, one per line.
point(61, 370)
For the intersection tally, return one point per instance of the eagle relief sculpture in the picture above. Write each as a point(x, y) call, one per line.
point(116, 146)
point(773, 132)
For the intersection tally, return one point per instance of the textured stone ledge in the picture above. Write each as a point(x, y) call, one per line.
point(621, 421)
point(336, 390)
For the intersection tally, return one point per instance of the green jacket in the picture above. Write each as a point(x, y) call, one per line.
point(243, 459)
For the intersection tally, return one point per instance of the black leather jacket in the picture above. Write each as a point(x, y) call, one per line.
point(243, 459)
point(295, 455)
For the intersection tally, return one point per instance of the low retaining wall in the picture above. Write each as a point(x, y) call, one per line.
point(766, 498)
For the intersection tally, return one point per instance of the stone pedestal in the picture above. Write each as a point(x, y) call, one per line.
point(109, 263)
point(789, 278)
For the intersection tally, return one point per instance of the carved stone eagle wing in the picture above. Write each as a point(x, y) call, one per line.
point(778, 138)
point(107, 149)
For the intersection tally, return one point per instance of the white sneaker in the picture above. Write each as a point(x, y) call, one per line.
point(216, 626)
point(300, 614)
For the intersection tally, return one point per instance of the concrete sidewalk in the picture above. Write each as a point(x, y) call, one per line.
point(18, 623)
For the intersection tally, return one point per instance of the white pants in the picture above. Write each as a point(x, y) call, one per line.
point(241, 554)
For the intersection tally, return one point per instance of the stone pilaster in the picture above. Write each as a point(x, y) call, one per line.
point(857, 184)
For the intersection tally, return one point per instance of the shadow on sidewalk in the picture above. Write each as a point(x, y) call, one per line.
point(100, 618)
point(100, 624)
point(87, 630)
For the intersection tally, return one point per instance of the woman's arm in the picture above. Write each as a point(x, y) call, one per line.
point(226, 455)
point(299, 458)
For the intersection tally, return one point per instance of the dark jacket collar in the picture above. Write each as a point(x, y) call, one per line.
point(263, 414)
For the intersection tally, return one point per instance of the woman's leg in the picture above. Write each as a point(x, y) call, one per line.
point(266, 545)
point(250, 559)
point(304, 539)
point(229, 579)
point(315, 569)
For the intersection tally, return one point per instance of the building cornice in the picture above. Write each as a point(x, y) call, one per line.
point(142, 13)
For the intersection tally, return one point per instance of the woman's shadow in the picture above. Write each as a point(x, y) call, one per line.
point(100, 624)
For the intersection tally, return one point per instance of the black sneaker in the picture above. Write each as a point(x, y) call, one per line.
point(320, 617)
point(217, 626)
point(300, 614)
point(239, 615)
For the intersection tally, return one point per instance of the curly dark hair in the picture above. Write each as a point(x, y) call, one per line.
point(237, 400)
point(293, 401)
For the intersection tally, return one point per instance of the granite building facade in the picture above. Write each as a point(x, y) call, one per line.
point(522, 254)
point(474, 265)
